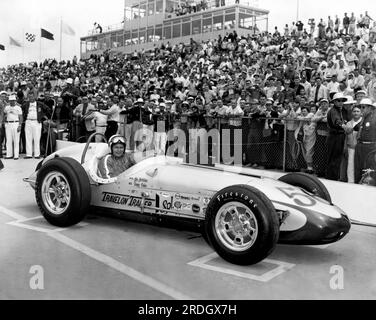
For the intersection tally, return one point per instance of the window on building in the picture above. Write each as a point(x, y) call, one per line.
point(186, 28)
point(128, 13)
point(230, 21)
point(207, 25)
point(217, 23)
point(150, 34)
point(142, 35)
point(85, 46)
point(176, 30)
point(101, 42)
point(113, 40)
point(158, 33)
point(135, 12)
point(196, 27)
point(108, 41)
point(143, 9)
point(120, 39)
point(167, 32)
point(245, 21)
point(171, 5)
point(127, 38)
point(134, 37)
point(151, 7)
point(159, 7)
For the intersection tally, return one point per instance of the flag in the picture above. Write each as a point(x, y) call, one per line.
point(67, 29)
point(2, 47)
point(46, 34)
point(14, 42)
point(30, 37)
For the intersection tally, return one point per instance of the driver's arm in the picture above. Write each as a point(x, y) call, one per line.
point(104, 168)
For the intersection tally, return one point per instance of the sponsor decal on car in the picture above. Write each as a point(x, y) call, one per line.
point(177, 205)
point(125, 200)
point(138, 182)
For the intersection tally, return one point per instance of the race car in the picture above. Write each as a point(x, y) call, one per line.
point(242, 216)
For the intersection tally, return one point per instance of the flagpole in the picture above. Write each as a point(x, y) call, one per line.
point(61, 35)
point(40, 47)
point(23, 45)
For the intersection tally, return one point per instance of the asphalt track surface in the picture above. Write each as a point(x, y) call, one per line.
point(108, 258)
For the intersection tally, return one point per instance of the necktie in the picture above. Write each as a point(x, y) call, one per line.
point(317, 93)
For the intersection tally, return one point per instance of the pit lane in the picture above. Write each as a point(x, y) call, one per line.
point(107, 258)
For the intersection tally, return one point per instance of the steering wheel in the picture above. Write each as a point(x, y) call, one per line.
point(88, 143)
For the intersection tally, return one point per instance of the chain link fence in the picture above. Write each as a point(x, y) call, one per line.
point(269, 143)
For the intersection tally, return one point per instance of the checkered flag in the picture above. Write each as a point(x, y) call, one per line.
point(30, 37)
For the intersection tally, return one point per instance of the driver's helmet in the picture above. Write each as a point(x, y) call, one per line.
point(117, 139)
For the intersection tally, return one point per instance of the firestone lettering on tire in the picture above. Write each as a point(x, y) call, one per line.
point(236, 196)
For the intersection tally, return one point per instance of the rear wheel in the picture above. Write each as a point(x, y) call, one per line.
point(63, 192)
point(242, 225)
point(308, 183)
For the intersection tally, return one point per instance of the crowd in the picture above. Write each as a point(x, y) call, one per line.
point(188, 7)
point(316, 92)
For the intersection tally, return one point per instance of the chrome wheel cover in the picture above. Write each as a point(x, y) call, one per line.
point(236, 226)
point(56, 193)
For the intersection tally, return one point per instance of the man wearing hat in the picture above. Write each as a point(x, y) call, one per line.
point(337, 118)
point(360, 95)
point(140, 115)
point(161, 125)
point(13, 121)
point(33, 113)
point(366, 138)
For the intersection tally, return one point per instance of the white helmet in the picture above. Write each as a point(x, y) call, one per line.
point(116, 139)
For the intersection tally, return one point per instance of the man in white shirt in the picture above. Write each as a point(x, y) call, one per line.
point(100, 121)
point(333, 86)
point(81, 112)
point(13, 119)
point(33, 126)
point(113, 114)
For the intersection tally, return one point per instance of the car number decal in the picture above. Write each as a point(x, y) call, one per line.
point(299, 198)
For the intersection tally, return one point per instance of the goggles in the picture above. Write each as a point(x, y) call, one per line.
point(116, 140)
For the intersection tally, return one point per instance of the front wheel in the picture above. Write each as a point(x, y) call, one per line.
point(242, 225)
point(308, 183)
point(63, 192)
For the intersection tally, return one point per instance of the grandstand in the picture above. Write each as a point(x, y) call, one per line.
point(148, 23)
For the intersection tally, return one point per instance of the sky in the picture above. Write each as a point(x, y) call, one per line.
point(20, 16)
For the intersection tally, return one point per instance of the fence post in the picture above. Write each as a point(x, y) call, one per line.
point(284, 146)
point(220, 141)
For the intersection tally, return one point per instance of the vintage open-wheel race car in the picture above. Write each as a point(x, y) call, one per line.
point(243, 216)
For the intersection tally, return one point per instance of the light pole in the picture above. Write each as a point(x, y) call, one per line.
point(297, 10)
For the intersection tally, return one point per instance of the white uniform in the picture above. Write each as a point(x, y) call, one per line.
point(100, 125)
point(11, 125)
point(33, 131)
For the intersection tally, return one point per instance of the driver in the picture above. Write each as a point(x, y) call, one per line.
point(118, 161)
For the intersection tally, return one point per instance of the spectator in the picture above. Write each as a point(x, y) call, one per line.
point(346, 23)
point(352, 130)
point(34, 113)
point(337, 119)
point(307, 129)
point(13, 120)
point(82, 113)
point(366, 138)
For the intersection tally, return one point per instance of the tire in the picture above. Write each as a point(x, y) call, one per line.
point(74, 188)
point(262, 217)
point(308, 183)
point(39, 165)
